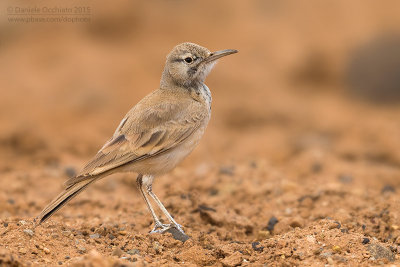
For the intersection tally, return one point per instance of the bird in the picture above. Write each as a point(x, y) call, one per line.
point(156, 134)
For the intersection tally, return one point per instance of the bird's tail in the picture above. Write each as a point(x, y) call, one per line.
point(69, 193)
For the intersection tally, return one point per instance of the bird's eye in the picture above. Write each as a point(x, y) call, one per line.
point(188, 60)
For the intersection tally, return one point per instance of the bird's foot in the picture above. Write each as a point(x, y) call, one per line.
point(160, 228)
point(174, 229)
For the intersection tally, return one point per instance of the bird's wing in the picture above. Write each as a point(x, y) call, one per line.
point(140, 136)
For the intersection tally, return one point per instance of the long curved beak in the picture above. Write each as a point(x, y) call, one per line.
point(218, 54)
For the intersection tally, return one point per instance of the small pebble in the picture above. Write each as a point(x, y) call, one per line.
point(253, 164)
point(28, 232)
point(22, 222)
point(334, 225)
point(94, 236)
point(81, 249)
point(111, 236)
point(22, 250)
point(316, 167)
point(366, 254)
point(60, 263)
point(227, 170)
point(5, 224)
point(46, 250)
point(205, 208)
point(212, 192)
point(336, 248)
point(318, 251)
point(123, 232)
point(365, 240)
point(263, 234)
point(345, 178)
point(256, 246)
point(388, 189)
point(66, 233)
point(134, 252)
point(271, 223)
point(67, 257)
point(326, 254)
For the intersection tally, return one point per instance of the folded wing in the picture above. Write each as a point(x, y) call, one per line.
point(158, 131)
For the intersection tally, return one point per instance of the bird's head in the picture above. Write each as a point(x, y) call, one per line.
point(189, 64)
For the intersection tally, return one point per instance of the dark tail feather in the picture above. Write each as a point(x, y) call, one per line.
point(69, 193)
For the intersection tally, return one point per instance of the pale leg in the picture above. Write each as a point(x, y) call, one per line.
point(163, 209)
point(158, 226)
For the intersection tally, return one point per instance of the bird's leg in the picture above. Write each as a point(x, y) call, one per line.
point(158, 226)
point(164, 210)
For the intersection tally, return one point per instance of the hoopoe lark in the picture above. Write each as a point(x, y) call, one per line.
point(157, 133)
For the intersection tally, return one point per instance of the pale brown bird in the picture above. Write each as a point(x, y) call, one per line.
point(157, 133)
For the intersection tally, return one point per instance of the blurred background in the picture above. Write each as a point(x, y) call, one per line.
point(311, 78)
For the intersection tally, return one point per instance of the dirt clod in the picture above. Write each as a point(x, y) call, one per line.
point(233, 260)
point(380, 252)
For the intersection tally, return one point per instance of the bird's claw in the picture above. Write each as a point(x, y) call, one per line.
point(162, 228)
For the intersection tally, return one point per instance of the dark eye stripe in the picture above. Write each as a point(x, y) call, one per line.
point(183, 59)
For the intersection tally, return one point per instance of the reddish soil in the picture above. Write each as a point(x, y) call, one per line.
point(292, 170)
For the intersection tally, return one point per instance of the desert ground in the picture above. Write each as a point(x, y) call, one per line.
point(299, 166)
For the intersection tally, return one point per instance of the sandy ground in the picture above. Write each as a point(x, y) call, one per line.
point(293, 170)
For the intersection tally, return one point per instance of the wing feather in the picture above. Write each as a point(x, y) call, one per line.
point(130, 144)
